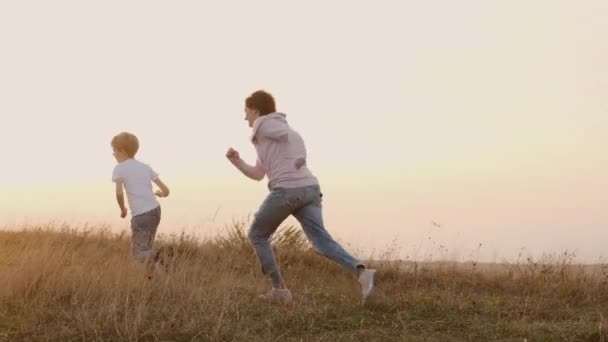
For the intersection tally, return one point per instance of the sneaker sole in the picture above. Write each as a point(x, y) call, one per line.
point(372, 291)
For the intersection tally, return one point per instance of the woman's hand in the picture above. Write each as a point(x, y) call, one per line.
point(233, 155)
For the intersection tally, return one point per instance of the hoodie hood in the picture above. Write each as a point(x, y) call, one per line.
point(281, 152)
point(273, 121)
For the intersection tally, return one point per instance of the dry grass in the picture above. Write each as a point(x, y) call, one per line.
point(59, 284)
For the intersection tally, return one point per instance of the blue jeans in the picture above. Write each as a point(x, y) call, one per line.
point(304, 204)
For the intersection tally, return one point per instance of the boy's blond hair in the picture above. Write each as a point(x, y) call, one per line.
point(126, 142)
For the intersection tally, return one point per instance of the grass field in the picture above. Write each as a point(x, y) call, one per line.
point(65, 284)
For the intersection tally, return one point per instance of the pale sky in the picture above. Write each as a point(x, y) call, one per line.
point(490, 118)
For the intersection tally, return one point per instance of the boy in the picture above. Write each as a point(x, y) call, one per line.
point(137, 177)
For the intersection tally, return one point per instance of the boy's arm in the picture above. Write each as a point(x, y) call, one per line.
point(120, 198)
point(164, 189)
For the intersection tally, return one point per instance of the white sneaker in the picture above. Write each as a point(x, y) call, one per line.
point(278, 295)
point(366, 279)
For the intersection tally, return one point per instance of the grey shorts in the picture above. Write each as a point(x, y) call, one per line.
point(143, 231)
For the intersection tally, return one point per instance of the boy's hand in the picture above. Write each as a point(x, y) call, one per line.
point(164, 189)
point(232, 154)
point(299, 163)
point(123, 212)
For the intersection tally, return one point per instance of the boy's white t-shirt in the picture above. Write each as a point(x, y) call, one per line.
point(137, 178)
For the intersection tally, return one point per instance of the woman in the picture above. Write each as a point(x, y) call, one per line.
point(294, 190)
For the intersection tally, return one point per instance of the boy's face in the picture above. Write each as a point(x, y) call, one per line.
point(120, 155)
point(251, 115)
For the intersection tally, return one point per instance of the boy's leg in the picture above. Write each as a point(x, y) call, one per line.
point(156, 223)
point(311, 219)
point(273, 211)
point(143, 229)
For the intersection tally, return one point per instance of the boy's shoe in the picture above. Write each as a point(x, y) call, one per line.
point(277, 295)
point(366, 279)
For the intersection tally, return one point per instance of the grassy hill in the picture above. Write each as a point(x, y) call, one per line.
point(64, 284)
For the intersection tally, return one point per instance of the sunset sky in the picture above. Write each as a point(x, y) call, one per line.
point(488, 118)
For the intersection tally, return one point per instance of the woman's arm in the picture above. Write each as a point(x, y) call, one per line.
point(255, 172)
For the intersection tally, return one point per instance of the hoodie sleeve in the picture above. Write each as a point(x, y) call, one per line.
point(274, 130)
point(298, 150)
point(256, 172)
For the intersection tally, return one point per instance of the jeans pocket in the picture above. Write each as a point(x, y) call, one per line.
point(313, 195)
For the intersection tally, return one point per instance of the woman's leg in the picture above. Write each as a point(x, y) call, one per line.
point(271, 214)
point(311, 218)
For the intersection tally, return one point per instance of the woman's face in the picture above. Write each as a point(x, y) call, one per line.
point(251, 115)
